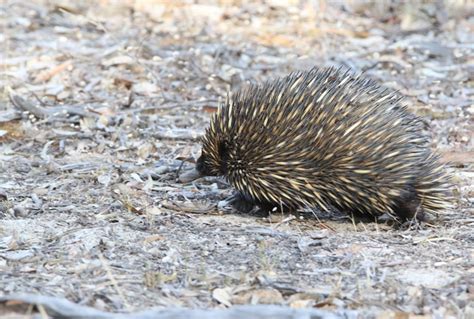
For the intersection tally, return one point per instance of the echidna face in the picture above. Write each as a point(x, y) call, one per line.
point(213, 160)
point(214, 154)
point(208, 164)
point(202, 166)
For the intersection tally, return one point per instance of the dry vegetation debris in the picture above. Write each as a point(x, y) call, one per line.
point(101, 104)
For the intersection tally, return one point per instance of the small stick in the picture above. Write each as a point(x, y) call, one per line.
point(112, 279)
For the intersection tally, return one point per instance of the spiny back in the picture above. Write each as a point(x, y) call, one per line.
point(324, 138)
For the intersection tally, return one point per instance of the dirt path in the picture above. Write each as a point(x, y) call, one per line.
point(100, 103)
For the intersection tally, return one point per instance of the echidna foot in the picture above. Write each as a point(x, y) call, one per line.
point(241, 203)
point(245, 204)
point(270, 208)
point(408, 206)
point(388, 219)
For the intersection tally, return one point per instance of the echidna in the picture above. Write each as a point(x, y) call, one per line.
point(324, 139)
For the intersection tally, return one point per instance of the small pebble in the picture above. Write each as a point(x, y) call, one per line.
point(20, 211)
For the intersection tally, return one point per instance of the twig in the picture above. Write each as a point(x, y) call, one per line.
point(54, 111)
point(212, 102)
point(26, 105)
point(113, 281)
point(42, 311)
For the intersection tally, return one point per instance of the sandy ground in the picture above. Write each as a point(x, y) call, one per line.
point(100, 103)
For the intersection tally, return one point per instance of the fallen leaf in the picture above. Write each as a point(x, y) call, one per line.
point(458, 157)
point(223, 295)
point(259, 296)
point(46, 75)
point(152, 238)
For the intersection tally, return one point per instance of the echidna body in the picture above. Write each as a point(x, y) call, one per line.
point(324, 139)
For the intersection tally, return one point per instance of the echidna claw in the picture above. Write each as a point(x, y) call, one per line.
point(387, 219)
point(238, 202)
point(412, 224)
